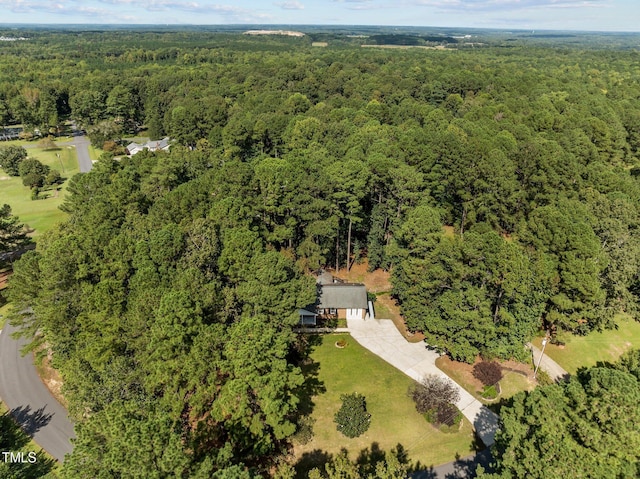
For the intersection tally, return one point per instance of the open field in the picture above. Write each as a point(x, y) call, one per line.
point(394, 419)
point(587, 350)
point(42, 214)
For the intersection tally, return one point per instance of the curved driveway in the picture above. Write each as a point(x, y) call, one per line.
point(30, 402)
point(381, 337)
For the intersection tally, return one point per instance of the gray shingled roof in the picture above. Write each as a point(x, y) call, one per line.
point(342, 295)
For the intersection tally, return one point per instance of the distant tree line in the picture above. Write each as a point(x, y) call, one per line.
point(500, 188)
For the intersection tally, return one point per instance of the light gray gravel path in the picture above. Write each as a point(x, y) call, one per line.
point(381, 337)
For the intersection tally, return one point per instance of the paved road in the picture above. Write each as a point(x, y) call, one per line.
point(463, 468)
point(81, 144)
point(82, 149)
point(30, 402)
point(381, 337)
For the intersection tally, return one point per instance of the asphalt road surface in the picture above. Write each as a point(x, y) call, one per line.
point(81, 143)
point(464, 468)
point(30, 402)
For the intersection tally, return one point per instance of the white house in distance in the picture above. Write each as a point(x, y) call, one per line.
point(155, 145)
point(335, 299)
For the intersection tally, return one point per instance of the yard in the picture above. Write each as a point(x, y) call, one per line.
point(394, 419)
point(586, 351)
point(516, 377)
point(42, 214)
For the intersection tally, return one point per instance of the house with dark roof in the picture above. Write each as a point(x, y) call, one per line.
point(335, 300)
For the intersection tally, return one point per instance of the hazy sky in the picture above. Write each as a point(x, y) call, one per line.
point(606, 15)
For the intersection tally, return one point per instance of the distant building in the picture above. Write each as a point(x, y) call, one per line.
point(287, 33)
point(155, 145)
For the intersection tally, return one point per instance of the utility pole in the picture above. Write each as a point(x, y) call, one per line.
point(544, 343)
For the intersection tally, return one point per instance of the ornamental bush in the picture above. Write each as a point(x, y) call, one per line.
point(433, 392)
point(352, 418)
point(488, 373)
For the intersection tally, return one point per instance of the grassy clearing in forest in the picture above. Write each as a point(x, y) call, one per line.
point(394, 419)
point(41, 214)
point(586, 351)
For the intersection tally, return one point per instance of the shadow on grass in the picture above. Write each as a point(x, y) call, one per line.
point(310, 460)
point(312, 386)
point(23, 464)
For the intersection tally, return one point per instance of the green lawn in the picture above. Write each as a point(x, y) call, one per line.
point(588, 350)
point(41, 214)
point(513, 383)
point(394, 419)
point(95, 153)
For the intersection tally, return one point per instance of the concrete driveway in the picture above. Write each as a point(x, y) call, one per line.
point(381, 337)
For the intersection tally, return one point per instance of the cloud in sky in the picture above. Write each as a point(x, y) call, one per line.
point(506, 5)
point(290, 5)
point(116, 9)
point(539, 14)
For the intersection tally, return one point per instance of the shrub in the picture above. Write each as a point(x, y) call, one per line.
point(304, 433)
point(431, 416)
point(488, 373)
point(454, 418)
point(432, 392)
point(489, 392)
point(447, 414)
point(543, 378)
point(352, 418)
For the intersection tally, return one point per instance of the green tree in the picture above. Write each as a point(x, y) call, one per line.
point(13, 236)
point(564, 233)
point(33, 173)
point(103, 131)
point(11, 157)
point(590, 434)
point(352, 418)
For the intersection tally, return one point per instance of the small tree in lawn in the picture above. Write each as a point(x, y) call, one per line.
point(488, 373)
point(352, 418)
point(434, 395)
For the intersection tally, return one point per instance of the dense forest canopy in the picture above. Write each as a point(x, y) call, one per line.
point(498, 184)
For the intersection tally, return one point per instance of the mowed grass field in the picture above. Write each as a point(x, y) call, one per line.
point(42, 214)
point(587, 350)
point(394, 419)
